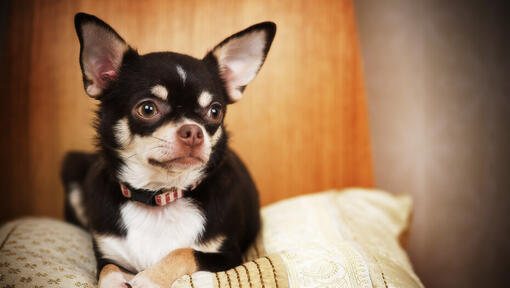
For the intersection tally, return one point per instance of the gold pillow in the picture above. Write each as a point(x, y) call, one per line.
point(345, 238)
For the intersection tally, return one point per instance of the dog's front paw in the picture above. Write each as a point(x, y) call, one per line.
point(112, 277)
point(142, 281)
point(113, 280)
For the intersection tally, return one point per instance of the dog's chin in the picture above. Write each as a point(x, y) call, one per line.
point(179, 163)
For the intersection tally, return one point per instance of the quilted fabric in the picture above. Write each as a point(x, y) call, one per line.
point(39, 252)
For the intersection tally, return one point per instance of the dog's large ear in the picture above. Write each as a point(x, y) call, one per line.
point(101, 52)
point(240, 56)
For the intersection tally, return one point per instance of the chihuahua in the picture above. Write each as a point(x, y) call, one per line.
point(164, 196)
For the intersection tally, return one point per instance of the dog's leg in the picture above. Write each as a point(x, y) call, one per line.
point(75, 167)
point(162, 274)
point(181, 262)
point(112, 277)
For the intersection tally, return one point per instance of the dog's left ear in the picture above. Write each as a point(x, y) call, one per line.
point(240, 56)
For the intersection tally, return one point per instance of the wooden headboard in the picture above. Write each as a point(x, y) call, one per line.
point(301, 126)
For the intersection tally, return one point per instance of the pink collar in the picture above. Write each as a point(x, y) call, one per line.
point(155, 198)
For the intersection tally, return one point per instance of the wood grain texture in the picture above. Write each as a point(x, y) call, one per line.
point(301, 126)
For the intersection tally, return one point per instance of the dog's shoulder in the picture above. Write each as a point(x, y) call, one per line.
point(102, 199)
point(229, 200)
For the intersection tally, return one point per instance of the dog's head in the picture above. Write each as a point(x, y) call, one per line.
point(160, 118)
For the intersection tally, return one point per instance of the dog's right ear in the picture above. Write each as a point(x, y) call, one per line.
point(101, 53)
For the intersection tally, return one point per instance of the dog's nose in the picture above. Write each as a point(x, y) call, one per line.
point(190, 135)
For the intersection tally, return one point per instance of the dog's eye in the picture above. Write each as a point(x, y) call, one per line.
point(147, 109)
point(215, 113)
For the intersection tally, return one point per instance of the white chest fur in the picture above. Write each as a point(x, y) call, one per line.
point(152, 233)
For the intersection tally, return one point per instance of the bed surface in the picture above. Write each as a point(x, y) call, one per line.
point(346, 238)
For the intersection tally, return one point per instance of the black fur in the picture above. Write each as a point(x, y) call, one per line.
point(227, 195)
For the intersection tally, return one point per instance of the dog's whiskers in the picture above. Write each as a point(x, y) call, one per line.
point(156, 147)
point(160, 139)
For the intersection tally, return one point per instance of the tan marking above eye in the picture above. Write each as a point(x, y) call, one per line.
point(160, 92)
point(204, 99)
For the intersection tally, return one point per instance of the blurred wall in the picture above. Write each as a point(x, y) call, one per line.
point(438, 90)
point(4, 8)
point(296, 134)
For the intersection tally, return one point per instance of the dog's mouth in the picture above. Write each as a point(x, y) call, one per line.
point(187, 160)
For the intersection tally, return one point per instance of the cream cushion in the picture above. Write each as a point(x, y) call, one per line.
point(345, 238)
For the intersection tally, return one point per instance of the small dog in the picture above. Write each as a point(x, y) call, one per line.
point(164, 196)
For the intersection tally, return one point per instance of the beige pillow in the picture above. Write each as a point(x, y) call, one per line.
point(345, 238)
